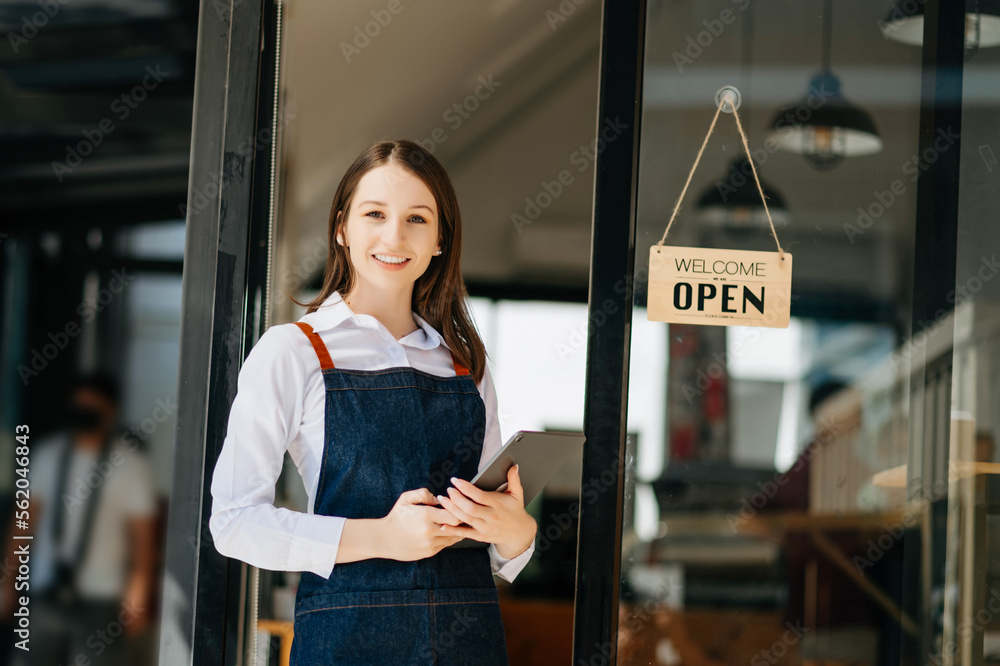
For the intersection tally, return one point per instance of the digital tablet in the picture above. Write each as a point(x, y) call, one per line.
point(539, 455)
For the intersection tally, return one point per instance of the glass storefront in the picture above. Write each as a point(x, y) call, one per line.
point(815, 494)
point(820, 493)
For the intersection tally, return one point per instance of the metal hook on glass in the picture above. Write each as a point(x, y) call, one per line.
point(728, 99)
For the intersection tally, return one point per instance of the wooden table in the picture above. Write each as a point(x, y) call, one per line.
point(283, 629)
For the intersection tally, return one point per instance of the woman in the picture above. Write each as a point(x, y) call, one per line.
point(380, 394)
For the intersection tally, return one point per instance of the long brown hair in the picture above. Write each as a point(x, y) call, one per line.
point(439, 295)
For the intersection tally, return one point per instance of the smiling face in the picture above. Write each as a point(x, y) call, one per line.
point(391, 231)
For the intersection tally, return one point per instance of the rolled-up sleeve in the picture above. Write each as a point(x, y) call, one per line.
point(264, 417)
point(492, 442)
point(508, 569)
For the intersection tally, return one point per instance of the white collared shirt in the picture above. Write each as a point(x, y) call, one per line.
point(280, 405)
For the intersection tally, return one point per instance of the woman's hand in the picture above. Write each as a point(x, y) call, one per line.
point(491, 516)
point(412, 531)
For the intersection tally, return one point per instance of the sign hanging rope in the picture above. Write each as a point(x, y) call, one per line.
point(716, 286)
point(728, 99)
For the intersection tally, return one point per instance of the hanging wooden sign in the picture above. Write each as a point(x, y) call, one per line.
point(695, 285)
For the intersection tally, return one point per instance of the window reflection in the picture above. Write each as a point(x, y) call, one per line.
point(781, 513)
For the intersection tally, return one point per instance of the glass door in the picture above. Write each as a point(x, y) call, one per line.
point(818, 493)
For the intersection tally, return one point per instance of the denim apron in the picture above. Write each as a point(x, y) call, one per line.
point(386, 432)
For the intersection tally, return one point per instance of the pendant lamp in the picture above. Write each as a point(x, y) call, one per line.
point(825, 127)
point(734, 203)
point(905, 23)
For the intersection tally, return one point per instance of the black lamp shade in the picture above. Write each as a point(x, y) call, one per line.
point(735, 201)
point(905, 23)
point(825, 126)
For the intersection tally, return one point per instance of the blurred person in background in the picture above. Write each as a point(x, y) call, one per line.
point(93, 564)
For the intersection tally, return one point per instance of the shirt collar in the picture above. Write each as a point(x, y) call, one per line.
point(335, 311)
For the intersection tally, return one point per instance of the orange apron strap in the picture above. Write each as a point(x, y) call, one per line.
point(325, 362)
point(459, 368)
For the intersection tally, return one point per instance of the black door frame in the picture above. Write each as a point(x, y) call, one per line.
point(204, 600)
point(609, 333)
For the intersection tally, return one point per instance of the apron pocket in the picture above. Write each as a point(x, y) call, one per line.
point(444, 627)
point(363, 628)
point(467, 628)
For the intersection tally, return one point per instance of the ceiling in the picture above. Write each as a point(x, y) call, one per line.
point(521, 137)
point(343, 89)
point(95, 106)
point(404, 84)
